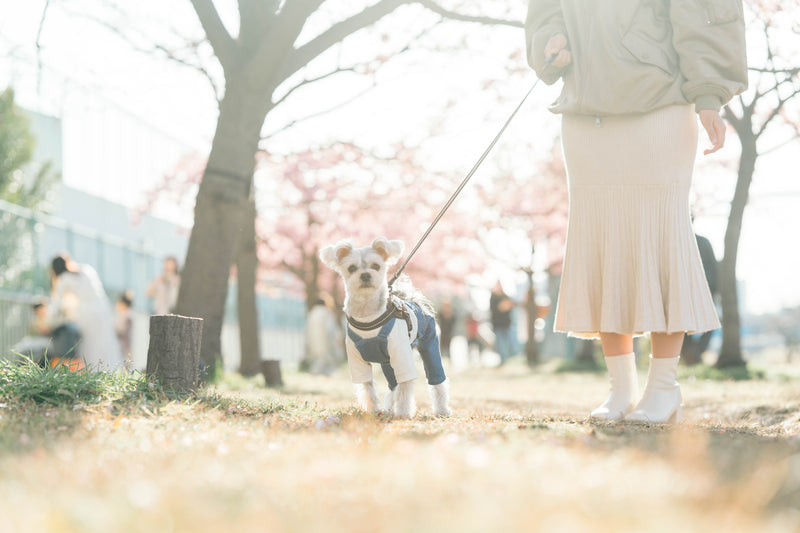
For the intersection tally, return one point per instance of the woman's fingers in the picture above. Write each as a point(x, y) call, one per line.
point(715, 128)
point(563, 59)
point(556, 48)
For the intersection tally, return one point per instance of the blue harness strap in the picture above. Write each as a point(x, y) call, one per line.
point(376, 350)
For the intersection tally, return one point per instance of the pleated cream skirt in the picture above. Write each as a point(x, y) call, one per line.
point(632, 265)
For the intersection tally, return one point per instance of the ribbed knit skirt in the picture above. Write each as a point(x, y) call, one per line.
point(632, 265)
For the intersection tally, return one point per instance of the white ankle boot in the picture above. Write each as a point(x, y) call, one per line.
point(624, 388)
point(661, 401)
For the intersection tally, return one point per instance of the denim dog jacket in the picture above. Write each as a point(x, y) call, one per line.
point(376, 349)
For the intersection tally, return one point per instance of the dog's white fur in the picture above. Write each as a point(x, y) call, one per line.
point(364, 272)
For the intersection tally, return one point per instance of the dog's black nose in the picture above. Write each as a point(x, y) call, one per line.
point(366, 276)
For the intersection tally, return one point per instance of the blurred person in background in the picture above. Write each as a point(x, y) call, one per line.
point(324, 338)
point(78, 297)
point(501, 306)
point(475, 343)
point(123, 325)
point(39, 326)
point(694, 346)
point(163, 290)
point(446, 322)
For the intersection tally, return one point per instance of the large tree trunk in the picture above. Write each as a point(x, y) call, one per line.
point(585, 353)
point(312, 280)
point(531, 312)
point(246, 269)
point(730, 353)
point(221, 199)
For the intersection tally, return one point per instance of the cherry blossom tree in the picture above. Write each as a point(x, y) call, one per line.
point(316, 197)
point(319, 196)
point(533, 203)
point(258, 63)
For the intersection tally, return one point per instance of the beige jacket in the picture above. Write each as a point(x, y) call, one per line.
point(633, 56)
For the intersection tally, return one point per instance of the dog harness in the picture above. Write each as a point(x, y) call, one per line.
point(376, 349)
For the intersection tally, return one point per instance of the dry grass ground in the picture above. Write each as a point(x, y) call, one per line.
point(517, 455)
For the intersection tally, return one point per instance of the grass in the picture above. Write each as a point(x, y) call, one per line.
point(26, 381)
point(517, 455)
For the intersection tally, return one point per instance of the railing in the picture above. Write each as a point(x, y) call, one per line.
point(16, 313)
point(29, 239)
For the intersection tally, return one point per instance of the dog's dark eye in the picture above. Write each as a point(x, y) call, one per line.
point(351, 268)
point(375, 266)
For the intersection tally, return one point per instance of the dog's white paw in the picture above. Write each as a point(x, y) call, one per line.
point(367, 397)
point(404, 404)
point(440, 399)
point(388, 402)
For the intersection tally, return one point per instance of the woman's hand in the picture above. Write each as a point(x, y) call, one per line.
point(557, 47)
point(715, 127)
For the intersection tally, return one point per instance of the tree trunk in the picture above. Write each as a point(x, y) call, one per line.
point(531, 348)
point(690, 354)
point(272, 373)
point(246, 271)
point(312, 279)
point(730, 353)
point(221, 199)
point(585, 353)
point(173, 356)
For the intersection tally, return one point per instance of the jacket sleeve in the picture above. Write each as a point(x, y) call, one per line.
point(709, 38)
point(544, 21)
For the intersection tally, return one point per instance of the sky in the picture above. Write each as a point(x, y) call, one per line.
point(128, 116)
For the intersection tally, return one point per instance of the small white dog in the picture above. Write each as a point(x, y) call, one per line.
point(384, 328)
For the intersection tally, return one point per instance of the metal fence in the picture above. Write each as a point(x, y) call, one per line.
point(15, 314)
point(28, 240)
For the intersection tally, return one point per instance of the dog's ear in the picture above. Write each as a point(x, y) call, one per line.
point(389, 250)
point(332, 256)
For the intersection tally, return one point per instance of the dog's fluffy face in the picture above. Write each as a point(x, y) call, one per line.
point(363, 269)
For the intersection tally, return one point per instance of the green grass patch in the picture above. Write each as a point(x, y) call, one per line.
point(574, 365)
point(735, 373)
point(26, 381)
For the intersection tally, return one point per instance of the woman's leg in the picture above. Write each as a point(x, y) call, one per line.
point(616, 344)
point(621, 364)
point(666, 344)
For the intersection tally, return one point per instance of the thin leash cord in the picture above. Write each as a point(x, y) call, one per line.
point(467, 178)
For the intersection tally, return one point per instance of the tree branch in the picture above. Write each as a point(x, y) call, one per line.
point(293, 16)
point(257, 23)
point(221, 41)
point(284, 28)
point(199, 68)
point(779, 145)
point(299, 272)
point(776, 111)
point(405, 48)
point(312, 80)
point(790, 71)
point(39, 47)
point(446, 13)
point(169, 54)
point(354, 68)
point(303, 55)
point(319, 113)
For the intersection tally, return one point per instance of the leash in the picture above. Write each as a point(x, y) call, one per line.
point(469, 175)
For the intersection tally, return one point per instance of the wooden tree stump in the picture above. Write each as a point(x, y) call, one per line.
point(272, 373)
point(174, 352)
